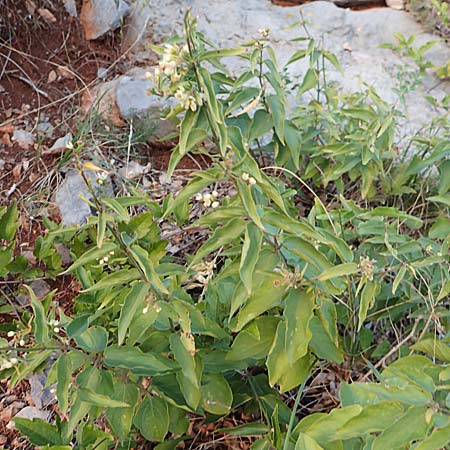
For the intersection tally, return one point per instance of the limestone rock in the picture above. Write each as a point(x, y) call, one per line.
point(230, 22)
point(69, 197)
point(100, 16)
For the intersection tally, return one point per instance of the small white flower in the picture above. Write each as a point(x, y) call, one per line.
point(13, 361)
point(21, 342)
point(69, 146)
point(11, 333)
point(215, 204)
point(215, 194)
point(145, 310)
point(252, 180)
point(56, 330)
point(245, 176)
point(52, 391)
point(199, 197)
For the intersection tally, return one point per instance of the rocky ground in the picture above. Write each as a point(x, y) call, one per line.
point(76, 72)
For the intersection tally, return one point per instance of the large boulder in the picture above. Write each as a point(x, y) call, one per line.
point(354, 36)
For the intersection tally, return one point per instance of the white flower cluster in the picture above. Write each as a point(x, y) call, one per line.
point(54, 323)
point(8, 363)
point(169, 77)
point(248, 179)
point(173, 61)
point(186, 99)
point(101, 178)
point(105, 259)
point(208, 199)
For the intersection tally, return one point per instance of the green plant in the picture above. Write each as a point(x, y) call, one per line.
point(290, 274)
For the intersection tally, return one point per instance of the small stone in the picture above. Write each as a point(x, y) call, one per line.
point(100, 16)
point(65, 72)
point(2, 164)
point(71, 7)
point(61, 143)
point(47, 15)
point(102, 72)
point(29, 412)
point(45, 128)
point(40, 289)
point(64, 252)
point(52, 76)
point(24, 138)
point(134, 170)
point(395, 4)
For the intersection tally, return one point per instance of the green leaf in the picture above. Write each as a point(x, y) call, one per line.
point(433, 347)
point(367, 300)
point(187, 124)
point(120, 419)
point(372, 393)
point(261, 124)
point(115, 278)
point(445, 291)
point(277, 109)
point(324, 340)
point(40, 318)
point(9, 222)
point(38, 431)
point(134, 359)
point(323, 427)
point(309, 81)
point(134, 301)
point(89, 396)
point(185, 358)
point(340, 270)
point(101, 228)
point(217, 396)
point(93, 340)
point(439, 438)
point(248, 429)
point(398, 278)
point(255, 340)
point(91, 255)
point(444, 199)
point(245, 192)
point(118, 208)
point(221, 237)
point(298, 312)
point(152, 419)
point(146, 265)
point(280, 370)
point(372, 419)
point(304, 442)
point(250, 253)
point(410, 426)
point(267, 295)
point(212, 54)
point(440, 229)
point(64, 376)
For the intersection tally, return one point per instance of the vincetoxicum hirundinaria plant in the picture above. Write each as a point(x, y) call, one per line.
point(273, 289)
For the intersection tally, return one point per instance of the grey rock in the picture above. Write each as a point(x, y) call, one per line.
point(61, 143)
point(45, 128)
point(100, 16)
point(134, 101)
point(40, 395)
point(29, 412)
point(69, 197)
point(71, 7)
point(24, 138)
point(354, 36)
point(40, 288)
